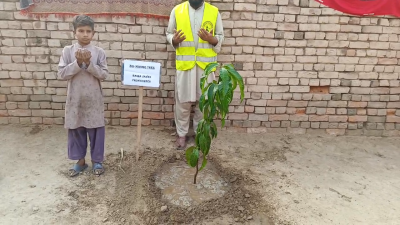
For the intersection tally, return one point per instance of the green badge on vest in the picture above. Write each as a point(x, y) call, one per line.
point(208, 26)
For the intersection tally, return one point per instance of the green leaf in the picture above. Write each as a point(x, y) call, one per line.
point(199, 131)
point(202, 102)
point(204, 163)
point(206, 131)
point(214, 130)
point(203, 144)
point(206, 110)
point(238, 78)
point(189, 152)
point(204, 90)
point(234, 83)
point(218, 108)
point(200, 125)
point(213, 112)
point(202, 82)
point(210, 67)
point(211, 92)
point(197, 138)
point(225, 104)
point(230, 66)
point(225, 85)
point(224, 74)
point(223, 122)
point(194, 157)
point(207, 145)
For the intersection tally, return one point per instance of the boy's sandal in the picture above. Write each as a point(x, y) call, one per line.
point(77, 169)
point(98, 169)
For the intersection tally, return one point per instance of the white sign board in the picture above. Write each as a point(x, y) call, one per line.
point(140, 73)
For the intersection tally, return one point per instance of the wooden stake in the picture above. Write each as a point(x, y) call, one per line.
point(139, 125)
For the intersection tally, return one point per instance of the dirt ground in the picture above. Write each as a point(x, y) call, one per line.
point(272, 179)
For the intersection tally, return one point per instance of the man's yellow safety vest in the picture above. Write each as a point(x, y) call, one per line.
point(186, 54)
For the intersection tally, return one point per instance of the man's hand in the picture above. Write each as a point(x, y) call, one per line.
point(207, 36)
point(179, 36)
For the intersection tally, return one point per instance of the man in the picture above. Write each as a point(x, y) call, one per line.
point(195, 31)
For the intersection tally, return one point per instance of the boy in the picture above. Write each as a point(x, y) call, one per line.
point(84, 66)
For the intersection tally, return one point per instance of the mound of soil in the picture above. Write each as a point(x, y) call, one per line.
point(136, 199)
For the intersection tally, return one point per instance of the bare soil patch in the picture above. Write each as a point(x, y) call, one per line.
point(137, 197)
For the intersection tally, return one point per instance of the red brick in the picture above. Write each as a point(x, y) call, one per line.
point(20, 112)
point(3, 98)
point(258, 117)
point(390, 112)
point(50, 121)
point(358, 104)
point(36, 120)
point(43, 113)
point(253, 102)
point(249, 109)
point(153, 115)
point(113, 106)
point(278, 117)
point(3, 113)
point(393, 119)
point(357, 119)
point(11, 83)
point(238, 116)
point(123, 107)
point(301, 111)
point(169, 115)
point(298, 117)
point(316, 118)
point(338, 118)
point(152, 101)
point(125, 122)
point(115, 114)
point(337, 104)
point(277, 103)
point(130, 115)
point(395, 105)
point(361, 112)
point(297, 103)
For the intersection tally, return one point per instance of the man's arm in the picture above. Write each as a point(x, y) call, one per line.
point(99, 71)
point(219, 34)
point(171, 28)
point(67, 70)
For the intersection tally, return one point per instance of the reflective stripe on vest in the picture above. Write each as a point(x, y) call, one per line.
point(186, 54)
point(191, 58)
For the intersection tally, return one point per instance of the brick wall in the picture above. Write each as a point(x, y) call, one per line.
point(306, 68)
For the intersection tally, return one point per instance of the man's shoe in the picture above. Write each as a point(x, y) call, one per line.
point(180, 143)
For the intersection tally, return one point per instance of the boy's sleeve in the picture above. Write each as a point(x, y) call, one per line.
point(66, 68)
point(100, 71)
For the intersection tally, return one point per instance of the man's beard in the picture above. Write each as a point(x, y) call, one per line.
point(195, 3)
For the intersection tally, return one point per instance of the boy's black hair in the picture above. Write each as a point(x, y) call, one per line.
point(82, 20)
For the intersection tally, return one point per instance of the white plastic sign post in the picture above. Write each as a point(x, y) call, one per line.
point(141, 74)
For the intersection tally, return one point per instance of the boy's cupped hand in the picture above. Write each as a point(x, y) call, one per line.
point(83, 56)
